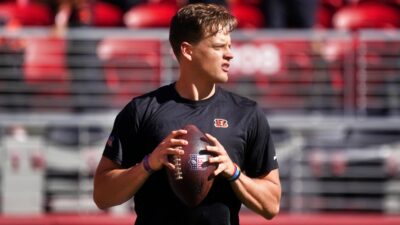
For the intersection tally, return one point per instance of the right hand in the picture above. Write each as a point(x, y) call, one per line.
point(171, 145)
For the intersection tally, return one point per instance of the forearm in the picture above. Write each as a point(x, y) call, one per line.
point(116, 186)
point(260, 195)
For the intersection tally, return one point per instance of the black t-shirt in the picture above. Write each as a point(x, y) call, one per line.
point(237, 122)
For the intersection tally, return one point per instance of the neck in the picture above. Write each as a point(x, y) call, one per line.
point(194, 90)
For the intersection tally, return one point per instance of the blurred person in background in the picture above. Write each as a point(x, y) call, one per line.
point(89, 13)
point(147, 131)
point(85, 69)
point(297, 14)
point(217, 2)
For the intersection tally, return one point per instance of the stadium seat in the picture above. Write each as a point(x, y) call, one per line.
point(367, 15)
point(107, 15)
point(29, 14)
point(131, 66)
point(324, 17)
point(150, 15)
point(45, 60)
point(337, 49)
point(334, 4)
point(46, 75)
point(248, 16)
point(45, 72)
point(7, 12)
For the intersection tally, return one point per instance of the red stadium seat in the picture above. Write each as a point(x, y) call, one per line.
point(150, 15)
point(248, 16)
point(337, 49)
point(45, 60)
point(324, 17)
point(335, 4)
point(107, 15)
point(34, 14)
point(7, 12)
point(45, 71)
point(30, 14)
point(367, 15)
point(132, 67)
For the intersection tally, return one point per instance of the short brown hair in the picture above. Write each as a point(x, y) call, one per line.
point(195, 21)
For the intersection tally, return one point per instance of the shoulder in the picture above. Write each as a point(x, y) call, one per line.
point(157, 96)
point(140, 105)
point(244, 107)
point(238, 100)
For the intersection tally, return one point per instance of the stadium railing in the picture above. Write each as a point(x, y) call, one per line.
point(332, 99)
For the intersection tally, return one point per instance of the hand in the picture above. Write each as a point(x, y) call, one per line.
point(169, 146)
point(225, 165)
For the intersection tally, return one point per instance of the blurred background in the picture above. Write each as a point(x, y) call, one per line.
point(326, 73)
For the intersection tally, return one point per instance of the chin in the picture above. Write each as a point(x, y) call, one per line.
point(222, 79)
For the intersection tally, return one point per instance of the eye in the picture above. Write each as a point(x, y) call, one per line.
point(218, 46)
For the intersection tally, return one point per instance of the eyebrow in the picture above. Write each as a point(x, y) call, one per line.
point(218, 42)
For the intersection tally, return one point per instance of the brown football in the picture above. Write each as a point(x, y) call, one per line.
point(192, 178)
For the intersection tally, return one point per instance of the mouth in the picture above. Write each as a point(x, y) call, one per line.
point(225, 67)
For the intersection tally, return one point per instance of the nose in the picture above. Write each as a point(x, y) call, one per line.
point(228, 55)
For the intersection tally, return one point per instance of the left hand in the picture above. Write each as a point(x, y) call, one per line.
point(225, 166)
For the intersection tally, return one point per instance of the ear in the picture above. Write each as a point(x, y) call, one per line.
point(186, 50)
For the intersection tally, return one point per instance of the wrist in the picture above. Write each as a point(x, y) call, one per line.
point(146, 165)
point(236, 173)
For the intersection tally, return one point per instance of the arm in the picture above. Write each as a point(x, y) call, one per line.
point(262, 194)
point(114, 185)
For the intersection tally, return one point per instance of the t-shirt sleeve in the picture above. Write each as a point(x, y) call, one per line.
point(123, 132)
point(260, 156)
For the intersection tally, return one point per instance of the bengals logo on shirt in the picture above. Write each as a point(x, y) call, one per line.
point(221, 123)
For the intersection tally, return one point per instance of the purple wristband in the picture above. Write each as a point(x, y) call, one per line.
point(146, 165)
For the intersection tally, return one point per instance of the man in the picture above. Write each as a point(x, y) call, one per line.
point(295, 14)
point(146, 130)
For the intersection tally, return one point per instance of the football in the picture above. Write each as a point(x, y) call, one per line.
point(192, 178)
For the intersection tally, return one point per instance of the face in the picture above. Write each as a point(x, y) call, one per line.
point(211, 57)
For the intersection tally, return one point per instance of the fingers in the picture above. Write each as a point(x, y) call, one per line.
point(214, 150)
point(214, 141)
point(221, 157)
point(171, 145)
point(222, 162)
point(172, 139)
point(176, 133)
point(219, 169)
point(169, 152)
point(177, 142)
point(169, 165)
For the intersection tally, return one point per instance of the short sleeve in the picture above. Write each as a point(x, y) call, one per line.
point(260, 156)
point(122, 135)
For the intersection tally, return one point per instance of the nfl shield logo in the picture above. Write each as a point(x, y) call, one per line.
point(198, 162)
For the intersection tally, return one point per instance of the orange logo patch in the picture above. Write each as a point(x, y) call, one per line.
point(221, 123)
